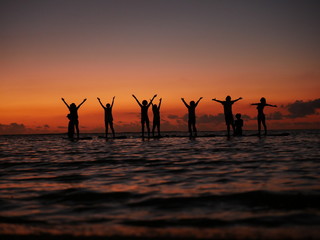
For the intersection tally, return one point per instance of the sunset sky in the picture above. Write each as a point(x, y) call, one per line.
point(191, 49)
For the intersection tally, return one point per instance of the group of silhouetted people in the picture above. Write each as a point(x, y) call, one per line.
point(227, 106)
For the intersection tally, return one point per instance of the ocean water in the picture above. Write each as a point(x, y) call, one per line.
point(168, 188)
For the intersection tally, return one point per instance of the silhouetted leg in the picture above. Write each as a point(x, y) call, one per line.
point(159, 129)
point(233, 129)
point(153, 128)
point(106, 129)
point(77, 128)
point(142, 129)
point(112, 129)
point(70, 130)
point(148, 127)
point(264, 126)
point(189, 128)
point(194, 129)
point(259, 127)
point(228, 129)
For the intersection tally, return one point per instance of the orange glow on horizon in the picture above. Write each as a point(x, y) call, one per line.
point(196, 51)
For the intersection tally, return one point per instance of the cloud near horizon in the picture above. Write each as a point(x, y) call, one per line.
point(301, 109)
point(13, 128)
point(169, 122)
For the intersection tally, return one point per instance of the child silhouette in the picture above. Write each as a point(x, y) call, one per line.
point(192, 116)
point(73, 116)
point(261, 117)
point(227, 106)
point(156, 117)
point(238, 123)
point(108, 119)
point(144, 114)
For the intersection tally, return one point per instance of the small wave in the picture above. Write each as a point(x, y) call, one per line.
point(261, 199)
point(87, 197)
point(20, 220)
point(263, 221)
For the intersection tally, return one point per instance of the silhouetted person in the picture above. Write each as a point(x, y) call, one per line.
point(156, 117)
point(108, 119)
point(144, 114)
point(238, 123)
point(261, 117)
point(73, 116)
point(227, 106)
point(70, 127)
point(191, 116)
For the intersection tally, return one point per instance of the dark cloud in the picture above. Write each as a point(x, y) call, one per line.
point(301, 109)
point(275, 116)
point(208, 118)
point(172, 116)
point(13, 128)
point(46, 126)
point(185, 118)
point(246, 117)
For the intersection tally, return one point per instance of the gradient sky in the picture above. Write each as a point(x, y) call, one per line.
point(191, 49)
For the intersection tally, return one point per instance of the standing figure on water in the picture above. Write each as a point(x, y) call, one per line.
point(144, 114)
point(156, 117)
point(73, 118)
point(108, 119)
point(227, 107)
point(192, 116)
point(261, 117)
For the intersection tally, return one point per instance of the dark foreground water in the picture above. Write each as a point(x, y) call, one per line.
point(170, 188)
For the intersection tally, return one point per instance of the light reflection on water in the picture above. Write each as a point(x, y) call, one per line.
point(176, 185)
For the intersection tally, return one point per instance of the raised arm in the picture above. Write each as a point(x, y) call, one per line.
point(112, 101)
point(159, 103)
point(182, 99)
point(216, 100)
point(100, 102)
point(137, 100)
point(81, 103)
point(65, 102)
point(237, 99)
point(271, 105)
point(198, 101)
point(151, 100)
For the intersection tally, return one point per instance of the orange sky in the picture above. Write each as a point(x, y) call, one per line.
point(183, 49)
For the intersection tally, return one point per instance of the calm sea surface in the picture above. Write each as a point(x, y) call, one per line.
point(209, 187)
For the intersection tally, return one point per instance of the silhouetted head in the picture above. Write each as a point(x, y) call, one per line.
point(73, 105)
point(144, 102)
point(263, 100)
point(238, 115)
point(155, 107)
point(108, 105)
point(192, 103)
point(228, 98)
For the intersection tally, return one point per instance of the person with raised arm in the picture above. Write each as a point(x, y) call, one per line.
point(144, 114)
point(261, 117)
point(192, 116)
point(156, 117)
point(227, 107)
point(108, 119)
point(73, 117)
